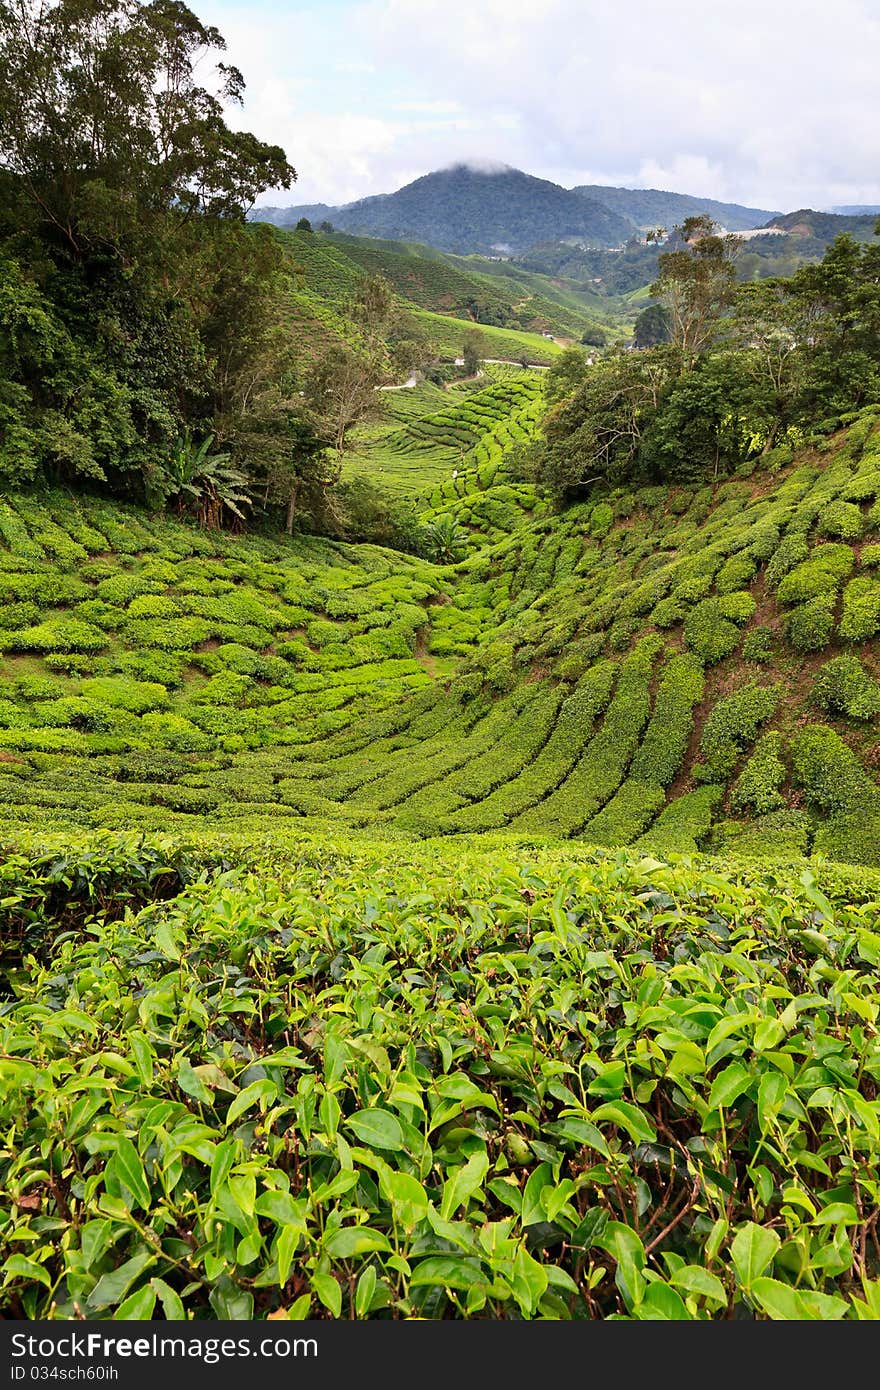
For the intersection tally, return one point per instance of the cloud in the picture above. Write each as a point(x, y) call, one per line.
point(771, 102)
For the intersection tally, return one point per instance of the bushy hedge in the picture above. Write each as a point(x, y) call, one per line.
point(732, 724)
point(760, 780)
point(860, 618)
point(843, 686)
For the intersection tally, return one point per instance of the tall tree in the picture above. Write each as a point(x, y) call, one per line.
point(696, 284)
point(123, 201)
point(103, 123)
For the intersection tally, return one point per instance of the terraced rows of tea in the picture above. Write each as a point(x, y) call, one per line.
point(416, 452)
point(668, 668)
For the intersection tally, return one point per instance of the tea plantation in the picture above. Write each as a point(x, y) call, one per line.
point(492, 939)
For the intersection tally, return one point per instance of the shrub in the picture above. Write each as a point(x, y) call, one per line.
point(820, 574)
point(763, 775)
point(157, 606)
point(580, 655)
point(854, 837)
point(173, 731)
point(710, 628)
point(758, 644)
point(730, 726)
point(842, 519)
point(669, 612)
point(135, 696)
point(683, 823)
point(662, 750)
point(791, 551)
point(621, 633)
point(861, 610)
point(601, 520)
point(58, 635)
point(735, 572)
point(170, 635)
point(782, 834)
point(831, 775)
point(809, 626)
point(843, 686)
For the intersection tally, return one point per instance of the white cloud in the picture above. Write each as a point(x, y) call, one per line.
point(767, 101)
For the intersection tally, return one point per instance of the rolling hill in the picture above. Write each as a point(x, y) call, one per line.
point(441, 297)
point(467, 210)
point(673, 668)
point(386, 939)
point(653, 207)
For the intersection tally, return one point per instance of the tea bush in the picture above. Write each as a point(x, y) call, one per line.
point(322, 1084)
point(843, 686)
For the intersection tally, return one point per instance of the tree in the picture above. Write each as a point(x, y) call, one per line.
point(695, 284)
point(566, 374)
point(325, 226)
point(772, 328)
point(303, 475)
point(445, 540)
point(103, 124)
point(703, 425)
point(340, 392)
point(596, 435)
point(303, 225)
point(652, 327)
point(473, 350)
point(203, 482)
point(123, 196)
point(840, 298)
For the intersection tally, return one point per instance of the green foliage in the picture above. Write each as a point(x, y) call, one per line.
point(732, 723)
point(843, 686)
point(860, 618)
point(710, 629)
point(422, 1129)
point(764, 773)
point(809, 626)
point(829, 772)
point(758, 644)
point(819, 575)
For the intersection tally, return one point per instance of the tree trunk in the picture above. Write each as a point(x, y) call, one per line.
point(291, 507)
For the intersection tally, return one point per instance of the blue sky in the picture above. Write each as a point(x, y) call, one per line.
point(768, 102)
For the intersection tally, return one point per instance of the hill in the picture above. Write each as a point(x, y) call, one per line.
point(823, 227)
point(653, 207)
point(441, 298)
point(671, 667)
point(372, 1073)
point(465, 210)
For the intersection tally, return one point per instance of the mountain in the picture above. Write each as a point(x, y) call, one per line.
point(288, 217)
point(654, 207)
point(824, 226)
point(468, 210)
point(858, 210)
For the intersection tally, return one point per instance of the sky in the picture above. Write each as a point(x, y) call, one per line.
point(773, 103)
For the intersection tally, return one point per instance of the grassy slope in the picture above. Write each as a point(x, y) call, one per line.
point(291, 1057)
point(495, 292)
point(641, 669)
point(426, 434)
point(327, 271)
